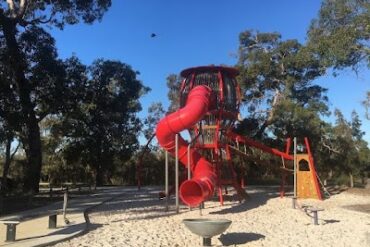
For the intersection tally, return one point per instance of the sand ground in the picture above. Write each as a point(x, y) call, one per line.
point(265, 219)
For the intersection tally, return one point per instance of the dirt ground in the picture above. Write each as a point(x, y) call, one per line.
point(359, 191)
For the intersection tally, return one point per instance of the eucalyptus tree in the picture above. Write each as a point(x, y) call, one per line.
point(366, 104)
point(350, 151)
point(340, 35)
point(173, 95)
point(10, 117)
point(276, 77)
point(102, 128)
point(21, 16)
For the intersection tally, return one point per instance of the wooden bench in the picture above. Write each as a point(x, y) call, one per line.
point(79, 186)
point(12, 222)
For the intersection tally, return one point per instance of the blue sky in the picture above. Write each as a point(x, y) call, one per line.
point(198, 32)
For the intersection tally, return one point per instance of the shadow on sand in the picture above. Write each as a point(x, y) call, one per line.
point(256, 199)
point(146, 204)
point(236, 238)
point(67, 230)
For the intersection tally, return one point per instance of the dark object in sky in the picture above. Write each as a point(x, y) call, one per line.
point(153, 35)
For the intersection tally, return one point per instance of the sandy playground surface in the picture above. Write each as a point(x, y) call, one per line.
point(140, 219)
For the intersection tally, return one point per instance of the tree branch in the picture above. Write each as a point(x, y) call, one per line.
point(22, 9)
point(39, 20)
point(330, 148)
point(11, 6)
point(15, 151)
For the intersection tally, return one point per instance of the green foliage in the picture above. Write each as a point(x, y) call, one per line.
point(340, 35)
point(102, 127)
point(56, 13)
point(173, 95)
point(276, 79)
point(366, 104)
point(339, 38)
point(30, 60)
point(342, 150)
point(155, 113)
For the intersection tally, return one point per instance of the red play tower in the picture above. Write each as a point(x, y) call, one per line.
point(209, 99)
point(209, 106)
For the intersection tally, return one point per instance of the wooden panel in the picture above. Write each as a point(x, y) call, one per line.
point(305, 179)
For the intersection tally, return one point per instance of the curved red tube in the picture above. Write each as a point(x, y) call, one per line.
point(201, 186)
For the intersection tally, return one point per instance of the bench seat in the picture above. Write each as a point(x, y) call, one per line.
point(12, 222)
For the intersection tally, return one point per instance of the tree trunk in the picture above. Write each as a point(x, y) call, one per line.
point(33, 146)
point(351, 183)
point(99, 164)
point(270, 117)
point(99, 176)
point(4, 182)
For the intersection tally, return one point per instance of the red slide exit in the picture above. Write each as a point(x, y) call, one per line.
point(201, 186)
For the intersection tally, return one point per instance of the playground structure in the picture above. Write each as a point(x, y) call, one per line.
point(209, 106)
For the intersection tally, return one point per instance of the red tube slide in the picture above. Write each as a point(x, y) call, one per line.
point(201, 186)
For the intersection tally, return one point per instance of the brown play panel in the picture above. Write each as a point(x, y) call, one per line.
point(307, 185)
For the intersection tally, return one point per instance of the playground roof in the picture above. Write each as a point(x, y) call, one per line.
point(232, 71)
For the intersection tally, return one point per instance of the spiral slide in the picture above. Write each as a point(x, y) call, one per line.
point(201, 186)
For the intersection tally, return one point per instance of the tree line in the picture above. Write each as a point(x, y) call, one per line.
point(62, 120)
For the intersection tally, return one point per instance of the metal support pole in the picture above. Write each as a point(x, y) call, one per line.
point(295, 167)
point(207, 242)
point(189, 163)
point(294, 201)
point(166, 180)
point(315, 218)
point(10, 232)
point(177, 172)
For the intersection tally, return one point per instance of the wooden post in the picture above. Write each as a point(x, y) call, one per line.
point(53, 221)
point(65, 203)
point(295, 166)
